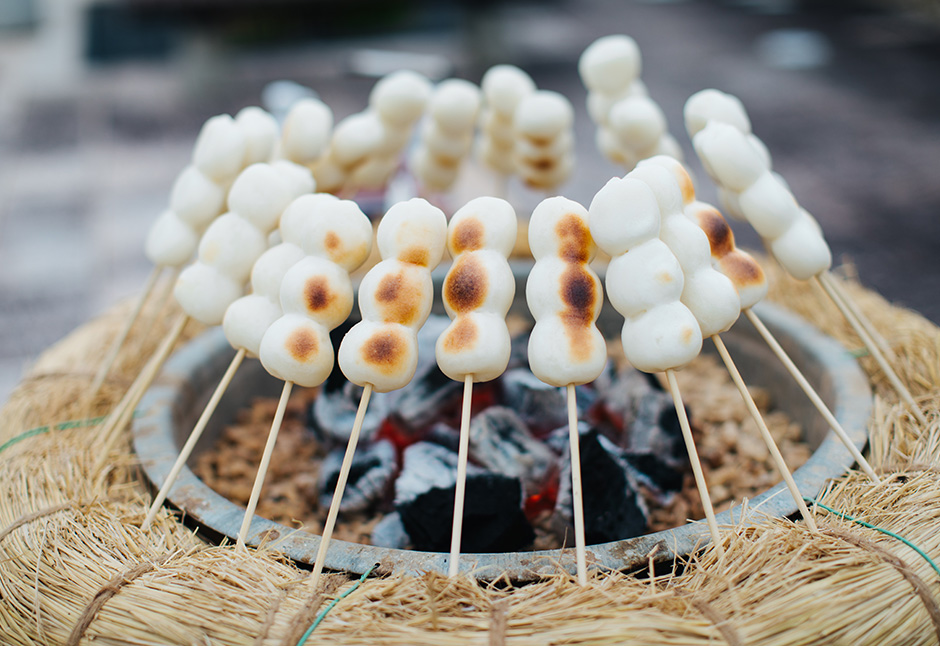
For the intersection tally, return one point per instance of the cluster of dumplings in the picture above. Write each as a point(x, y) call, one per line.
point(223, 148)
point(630, 125)
point(740, 165)
point(447, 134)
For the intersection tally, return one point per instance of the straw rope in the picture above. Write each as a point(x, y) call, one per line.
point(75, 565)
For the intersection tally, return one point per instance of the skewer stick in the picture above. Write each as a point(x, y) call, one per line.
point(696, 465)
point(577, 501)
point(164, 299)
point(461, 487)
point(340, 485)
point(860, 317)
point(194, 436)
point(263, 467)
point(105, 368)
point(899, 387)
point(124, 411)
point(812, 394)
point(765, 433)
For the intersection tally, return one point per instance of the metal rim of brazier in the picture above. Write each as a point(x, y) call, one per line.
point(173, 403)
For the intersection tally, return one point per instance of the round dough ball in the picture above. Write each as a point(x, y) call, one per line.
point(231, 244)
point(299, 178)
point(334, 229)
point(454, 105)
point(638, 122)
point(445, 148)
point(170, 241)
point(413, 231)
point(802, 250)
point(319, 290)
point(610, 64)
point(196, 199)
point(559, 227)
point(219, 151)
point(609, 144)
point(431, 174)
point(623, 214)
point(679, 173)
point(247, 319)
point(205, 293)
point(483, 223)
point(561, 353)
point(504, 86)
point(543, 115)
point(307, 130)
point(645, 277)
point(747, 275)
point(382, 354)
point(294, 220)
point(477, 344)
point(714, 105)
point(261, 133)
point(297, 349)
point(268, 271)
point(355, 138)
point(712, 299)
point(396, 292)
point(728, 156)
point(664, 186)
point(664, 338)
point(400, 97)
point(479, 281)
point(687, 242)
point(768, 206)
point(571, 291)
point(330, 177)
point(260, 195)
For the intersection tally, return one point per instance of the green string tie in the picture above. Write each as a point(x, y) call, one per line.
point(62, 426)
point(877, 529)
point(322, 615)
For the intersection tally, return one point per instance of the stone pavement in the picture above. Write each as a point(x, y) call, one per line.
point(847, 101)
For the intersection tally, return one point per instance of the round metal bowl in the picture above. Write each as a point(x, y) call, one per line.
point(172, 405)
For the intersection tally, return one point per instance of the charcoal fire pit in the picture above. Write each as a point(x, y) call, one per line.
point(175, 401)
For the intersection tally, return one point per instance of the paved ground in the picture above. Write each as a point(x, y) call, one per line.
point(848, 102)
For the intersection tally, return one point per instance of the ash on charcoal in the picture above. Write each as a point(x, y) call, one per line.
point(540, 406)
point(500, 441)
point(493, 516)
point(370, 475)
point(390, 532)
point(613, 507)
point(445, 435)
point(431, 393)
point(333, 412)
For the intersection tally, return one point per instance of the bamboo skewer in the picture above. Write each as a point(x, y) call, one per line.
point(460, 488)
point(812, 394)
point(860, 317)
point(765, 434)
point(263, 467)
point(194, 436)
point(696, 464)
point(340, 485)
point(163, 300)
point(105, 368)
point(124, 411)
point(899, 387)
point(577, 499)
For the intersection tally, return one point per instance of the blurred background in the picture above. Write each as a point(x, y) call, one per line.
point(101, 100)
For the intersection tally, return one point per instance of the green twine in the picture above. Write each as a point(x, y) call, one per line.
point(877, 529)
point(62, 426)
point(859, 353)
point(322, 615)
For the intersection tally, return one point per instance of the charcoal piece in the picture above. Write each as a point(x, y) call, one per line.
point(662, 479)
point(430, 394)
point(444, 435)
point(370, 475)
point(540, 407)
point(424, 498)
point(656, 429)
point(390, 532)
point(500, 441)
point(613, 507)
point(333, 412)
point(519, 352)
point(425, 466)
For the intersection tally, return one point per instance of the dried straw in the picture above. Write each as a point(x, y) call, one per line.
point(75, 568)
